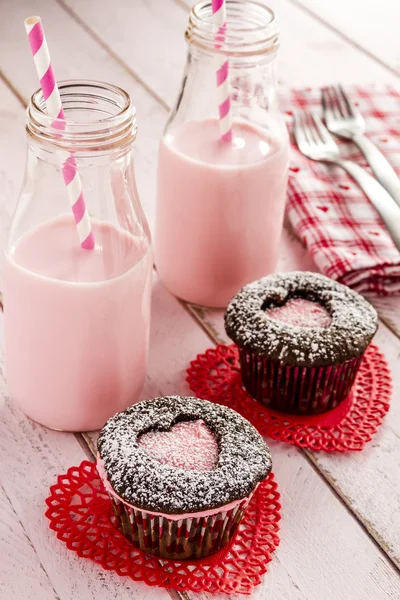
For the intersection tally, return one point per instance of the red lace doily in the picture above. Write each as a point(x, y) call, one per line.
point(215, 376)
point(81, 515)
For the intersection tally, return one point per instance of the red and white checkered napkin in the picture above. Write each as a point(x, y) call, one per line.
point(334, 219)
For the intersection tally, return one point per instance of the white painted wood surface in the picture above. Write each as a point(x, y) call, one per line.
point(171, 351)
point(16, 545)
point(327, 548)
point(366, 481)
point(32, 457)
point(373, 26)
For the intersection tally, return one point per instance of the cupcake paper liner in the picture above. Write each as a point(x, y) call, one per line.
point(193, 537)
point(297, 390)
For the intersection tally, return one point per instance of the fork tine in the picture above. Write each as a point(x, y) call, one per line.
point(334, 100)
point(307, 128)
point(312, 139)
point(312, 132)
point(326, 103)
point(301, 131)
point(350, 108)
point(330, 109)
point(298, 128)
point(342, 101)
point(344, 107)
point(321, 129)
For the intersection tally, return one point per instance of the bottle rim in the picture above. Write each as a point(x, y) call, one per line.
point(251, 28)
point(107, 117)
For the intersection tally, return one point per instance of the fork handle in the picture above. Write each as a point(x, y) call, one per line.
point(379, 197)
point(380, 166)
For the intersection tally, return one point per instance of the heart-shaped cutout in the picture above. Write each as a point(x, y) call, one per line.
point(323, 208)
point(299, 312)
point(188, 445)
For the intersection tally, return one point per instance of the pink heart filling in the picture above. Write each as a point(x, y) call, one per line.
point(301, 313)
point(189, 445)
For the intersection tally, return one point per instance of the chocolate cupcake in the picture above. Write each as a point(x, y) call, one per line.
point(180, 473)
point(301, 339)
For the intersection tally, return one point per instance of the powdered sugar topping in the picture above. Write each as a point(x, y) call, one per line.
point(353, 320)
point(145, 482)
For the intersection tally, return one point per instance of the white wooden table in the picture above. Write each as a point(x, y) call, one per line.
point(341, 514)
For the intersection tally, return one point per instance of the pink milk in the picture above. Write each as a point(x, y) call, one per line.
point(76, 323)
point(220, 209)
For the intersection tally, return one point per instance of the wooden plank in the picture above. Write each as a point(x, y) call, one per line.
point(32, 456)
point(15, 546)
point(300, 36)
point(283, 582)
point(309, 507)
point(146, 36)
point(12, 122)
point(367, 481)
point(310, 53)
point(311, 513)
point(83, 59)
point(372, 28)
point(316, 568)
point(389, 312)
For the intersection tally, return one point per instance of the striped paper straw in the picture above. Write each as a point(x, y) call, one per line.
point(51, 94)
point(223, 93)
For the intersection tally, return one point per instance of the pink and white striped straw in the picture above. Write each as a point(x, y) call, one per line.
point(51, 94)
point(223, 92)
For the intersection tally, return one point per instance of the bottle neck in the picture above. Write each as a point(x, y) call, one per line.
point(99, 118)
point(251, 30)
point(248, 52)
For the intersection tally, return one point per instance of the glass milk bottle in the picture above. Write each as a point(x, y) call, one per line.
point(76, 319)
point(220, 202)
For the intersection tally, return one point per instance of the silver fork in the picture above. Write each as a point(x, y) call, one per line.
point(345, 120)
point(315, 142)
